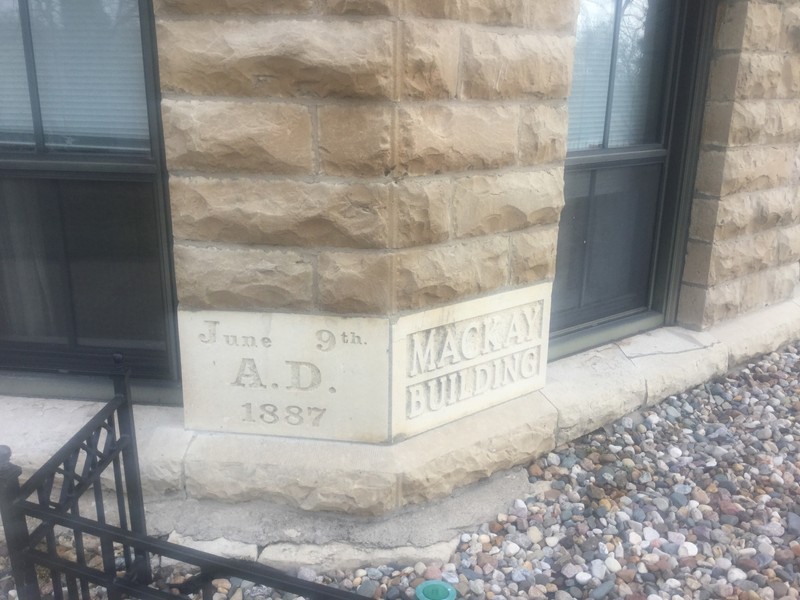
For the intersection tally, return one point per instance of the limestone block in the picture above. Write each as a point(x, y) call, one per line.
point(355, 140)
point(354, 282)
point(230, 7)
point(220, 546)
point(759, 332)
point(757, 168)
point(437, 274)
point(422, 211)
point(276, 58)
point(254, 467)
point(741, 256)
point(440, 138)
point(242, 278)
point(763, 27)
point(533, 254)
point(543, 134)
point(790, 35)
point(484, 204)
point(704, 219)
point(672, 359)
point(280, 213)
point(517, 429)
point(581, 381)
point(761, 76)
point(513, 65)
point(358, 7)
point(430, 59)
point(236, 136)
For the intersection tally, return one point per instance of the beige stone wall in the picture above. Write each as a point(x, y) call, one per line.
point(745, 230)
point(363, 156)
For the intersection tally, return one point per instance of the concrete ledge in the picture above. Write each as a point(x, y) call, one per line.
point(583, 392)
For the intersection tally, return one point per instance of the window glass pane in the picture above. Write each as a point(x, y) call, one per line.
point(91, 75)
point(587, 101)
point(79, 264)
point(33, 285)
point(111, 237)
point(16, 124)
point(642, 62)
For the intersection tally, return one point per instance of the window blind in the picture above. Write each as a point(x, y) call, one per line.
point(89, 73)
point(16, 122)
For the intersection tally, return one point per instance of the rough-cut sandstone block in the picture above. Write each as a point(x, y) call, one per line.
point(237, 136)
point(788, 244)
point(434, 275)
point(358, 7)
point(756, 168)
point(782, 122)
point(485, 204)
point(229, 7)
point(741, 256)
point(704, 219)
point(790, 35)
point(543, 134)
point(763, 27)
point(276, 58)
point(760, 76)
point(354, 282)
point(430, 59)
point(422, 211)
point(242, 278)
point(790, 83)
point(537, 14)
point(701, 307)
point(760, 289)
point(355, 140)
point(710, 169)
point(717, 123)
point(511, 65)
point(723, 77)
point(533, 254)
point(697, 263)
point(280, 213)
point(750, 212)
point(731, 23)
point(441, 138)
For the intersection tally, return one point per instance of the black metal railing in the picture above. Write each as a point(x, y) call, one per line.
point(79, 523)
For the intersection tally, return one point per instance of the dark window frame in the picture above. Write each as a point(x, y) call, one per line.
point(121, 166)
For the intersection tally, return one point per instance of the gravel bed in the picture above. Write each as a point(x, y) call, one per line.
point(696, 498)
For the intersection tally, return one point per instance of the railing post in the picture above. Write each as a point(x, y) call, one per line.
point(130, 465)
point(16, 529)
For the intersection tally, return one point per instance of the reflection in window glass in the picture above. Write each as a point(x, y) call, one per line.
point(636, 111)
point(16, 123)
point(587, 102)
point(90, 74)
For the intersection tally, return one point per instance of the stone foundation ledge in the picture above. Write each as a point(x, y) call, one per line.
point(583, 392)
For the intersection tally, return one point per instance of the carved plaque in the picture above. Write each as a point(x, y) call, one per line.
point(282, 374)
point(457, 360)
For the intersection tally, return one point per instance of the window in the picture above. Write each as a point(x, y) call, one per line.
point(83, 233)
point(634, 122)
